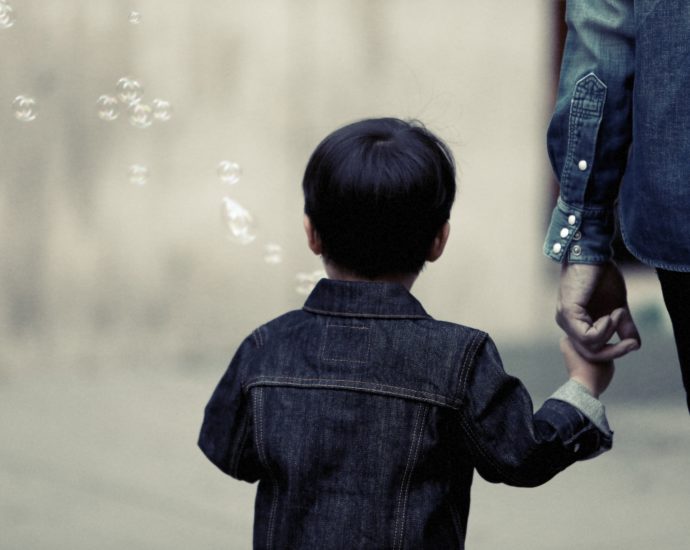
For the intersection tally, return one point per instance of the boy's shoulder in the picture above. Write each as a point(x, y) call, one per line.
point(293, 321)
point(425, 342)
point(416, 356)
point(279, 327)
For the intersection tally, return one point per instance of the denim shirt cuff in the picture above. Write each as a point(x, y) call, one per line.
point(579, 397)
point(579, 235)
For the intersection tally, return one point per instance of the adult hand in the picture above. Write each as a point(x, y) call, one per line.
point(592, 307)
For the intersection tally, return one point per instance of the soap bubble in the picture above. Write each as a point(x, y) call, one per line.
point(108, 107)
point(273, 254)
point(134, 17)
point(162, 110)
point(140, 115)
point(129, 90)
point(7, 19)
point(307, 281)
point(229, 172)
point(238, 222)
point(24, 108)
point(138, 174)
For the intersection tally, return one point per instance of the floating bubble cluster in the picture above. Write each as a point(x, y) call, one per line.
point(138, 174)
point(127, 98)
point(273, 254)
point(7, 19)
point(237, 221)
point(24, 108)
point(108, 107)
point(307, 281)
point(129, 93)
point(229, 172)
point(134, 17)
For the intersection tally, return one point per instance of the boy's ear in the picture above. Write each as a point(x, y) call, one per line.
point(439, 243)
point(313, 239)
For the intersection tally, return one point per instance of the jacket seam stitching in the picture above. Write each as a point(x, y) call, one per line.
point(371, 315)
point(468, 361)
point(334, 360)
point(238, 451)
point(407, 476)
point(258, 406)
point(403, 392)
point(258, 340)
point(454, 516)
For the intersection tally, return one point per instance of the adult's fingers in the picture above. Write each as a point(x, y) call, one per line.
point(608, 352)
point(589, 335)
point(626, 328)
point(591, 339)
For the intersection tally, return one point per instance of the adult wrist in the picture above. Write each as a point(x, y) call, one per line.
point(579, 234)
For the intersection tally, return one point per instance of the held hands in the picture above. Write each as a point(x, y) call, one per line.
point(592, 307)
point(595, 376)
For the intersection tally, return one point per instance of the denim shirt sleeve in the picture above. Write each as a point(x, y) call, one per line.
point(590, 131)
point(512, 444)
point(226, 436)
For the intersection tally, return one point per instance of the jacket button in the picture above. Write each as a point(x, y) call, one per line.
point(564, 232)
point(582, 165)
point(572, 219)
point(577, 250)
point(557, 247)
point(577, 236)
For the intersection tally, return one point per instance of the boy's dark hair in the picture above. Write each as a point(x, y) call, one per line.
point(377, 192)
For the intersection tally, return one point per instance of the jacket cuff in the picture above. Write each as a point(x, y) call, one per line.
point(579, 235)
point(579, 397)
point(578, 434)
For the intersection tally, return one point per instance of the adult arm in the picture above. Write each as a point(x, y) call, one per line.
point(588, 140)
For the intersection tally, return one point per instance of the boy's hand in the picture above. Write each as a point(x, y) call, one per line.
point(596, 377)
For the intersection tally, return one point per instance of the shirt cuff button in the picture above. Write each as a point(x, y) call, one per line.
point(556, 248)
point(572, 219)
point(564, 232)
point(582, 165)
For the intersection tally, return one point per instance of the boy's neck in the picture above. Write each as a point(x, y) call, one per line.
point(405, 279)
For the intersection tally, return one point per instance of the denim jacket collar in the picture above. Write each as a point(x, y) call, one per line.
point(364, 299)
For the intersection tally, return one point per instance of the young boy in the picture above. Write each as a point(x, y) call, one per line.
point(361, 416)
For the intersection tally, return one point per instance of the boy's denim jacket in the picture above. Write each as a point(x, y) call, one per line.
point(363, 420)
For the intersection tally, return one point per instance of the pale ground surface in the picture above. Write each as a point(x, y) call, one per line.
point(106, 459)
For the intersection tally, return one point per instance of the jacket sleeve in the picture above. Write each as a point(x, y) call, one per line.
point(512, 444)
point(226, 436)
point(590, 131)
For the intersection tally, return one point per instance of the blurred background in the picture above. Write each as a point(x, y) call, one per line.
point(150, 217)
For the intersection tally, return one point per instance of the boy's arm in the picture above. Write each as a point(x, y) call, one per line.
point(514, 445)
point(226, 436)
point(595, 377)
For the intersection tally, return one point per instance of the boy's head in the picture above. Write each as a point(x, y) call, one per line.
point(378, 192)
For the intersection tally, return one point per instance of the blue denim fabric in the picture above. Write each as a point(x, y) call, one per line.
point(363, 420)
point(622, 115)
